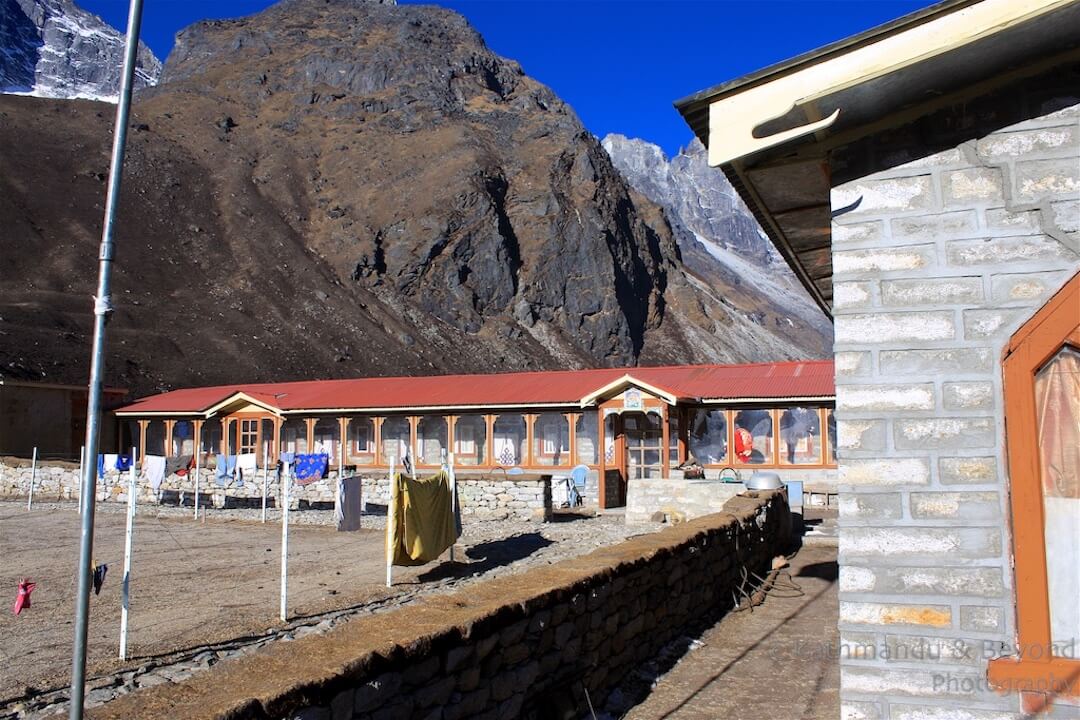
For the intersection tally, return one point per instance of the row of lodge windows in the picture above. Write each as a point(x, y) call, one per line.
point(713, 437)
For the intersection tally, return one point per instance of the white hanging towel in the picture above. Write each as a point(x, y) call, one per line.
point(247, 463)
point(153, 469)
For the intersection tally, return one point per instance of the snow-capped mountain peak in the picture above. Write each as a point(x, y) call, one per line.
point(53, 48)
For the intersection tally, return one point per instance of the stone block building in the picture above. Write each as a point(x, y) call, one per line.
point(923, 180)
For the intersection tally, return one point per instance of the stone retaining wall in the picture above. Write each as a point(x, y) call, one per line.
point(677, 499)
point(529, 645)
point(486, 497)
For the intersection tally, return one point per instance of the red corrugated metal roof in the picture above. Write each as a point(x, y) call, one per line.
point(808, 378)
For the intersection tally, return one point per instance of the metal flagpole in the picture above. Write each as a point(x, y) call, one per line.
point(33, 478)
point(389, 528)
point(285, 482)
point(125, 589)
point(102, 308)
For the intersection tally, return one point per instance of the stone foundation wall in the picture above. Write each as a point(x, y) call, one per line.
point(487, 497)
point(676, 498)
point(527, 646)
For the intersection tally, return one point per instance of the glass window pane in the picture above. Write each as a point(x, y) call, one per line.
point(673, 437)
point(585, 435)
point(155, 437)
point(831, 422)
point(362, 440)
point(326, 436)
point(708, 436)
point(210, 439)
point(800, 436)
point(551, 439)
point(510, 439)
point(1057, 400)
point(609, 439)
point(753, 437)
point(294, 436)
point(470, 440)
point(183, 438)
point(395, 439)
point(431, 436)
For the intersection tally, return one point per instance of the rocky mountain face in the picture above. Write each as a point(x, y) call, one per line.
point(719, 238)
point(333, 188)
point(53, 48)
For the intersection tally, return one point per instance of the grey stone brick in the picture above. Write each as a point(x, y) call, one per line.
point(909, 544)
point(960, 223)
point(983, 324)
point(1057, 179)
point(857, 710)
point(860, 435)
point(933, 362)
point(920, 434)
point(844, 233)
point(957, 581)
point(968, 506)
point(981, 618)
point(1066, 215)
point(933, 650)
point(967, 470)
point(854, 578)
point(1006, 252)
point(885, 196)
point(894, 327)
point(884, 471)
point(852, 364)
point(1006, 222)
point(856, 263)
point(949, 712)
point(927, 683)
point(932, 291)
point(885, 397)
point(972, 186)
point(870, 506)
point(967, 395)
point(1000, 147)
point(847, 295)
point(1025, 287)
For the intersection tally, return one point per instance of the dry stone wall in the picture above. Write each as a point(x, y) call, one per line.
point(487, 497)
point(523, 646)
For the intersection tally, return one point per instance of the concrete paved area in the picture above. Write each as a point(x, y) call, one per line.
point(777, 662)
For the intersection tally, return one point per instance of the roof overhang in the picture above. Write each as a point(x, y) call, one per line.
point(620, 384)
point(774, 132)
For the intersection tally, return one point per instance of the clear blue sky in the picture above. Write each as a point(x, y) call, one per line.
point(619, 63)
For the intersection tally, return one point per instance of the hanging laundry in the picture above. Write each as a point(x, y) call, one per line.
point(99, 577)
point(222, 469)
point(123, 463)
point(348, 509)
point(176, 463)
point(153, 469)
point(311, 467)
point(22, 599)
point(100, 466)
point(422, 521)
point(230, 465)
point(109, 463)
point(247, 463)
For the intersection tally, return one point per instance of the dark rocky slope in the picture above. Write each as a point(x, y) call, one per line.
point(335, 188)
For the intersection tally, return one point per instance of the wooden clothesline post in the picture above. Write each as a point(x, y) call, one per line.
point(198, 467)
point(125, 588)
point(264, 484)
point(285, 481)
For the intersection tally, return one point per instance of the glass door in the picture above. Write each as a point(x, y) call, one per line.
point(644, 446)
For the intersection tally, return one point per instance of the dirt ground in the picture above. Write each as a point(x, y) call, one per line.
point(195, 583)
point(790, 641)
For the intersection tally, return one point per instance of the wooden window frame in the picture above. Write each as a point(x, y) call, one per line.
point(1038, 679)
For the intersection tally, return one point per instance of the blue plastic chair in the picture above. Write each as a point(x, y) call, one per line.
point(578, 477)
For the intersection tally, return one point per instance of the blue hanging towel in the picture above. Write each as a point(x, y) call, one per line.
point(311, 467)
point(123, 463)
point(222, 470)
point(101, 466)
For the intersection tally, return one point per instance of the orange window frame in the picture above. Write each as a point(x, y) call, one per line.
point(1040, 678)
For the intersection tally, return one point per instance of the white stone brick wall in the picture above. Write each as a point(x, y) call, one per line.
point(937, 265)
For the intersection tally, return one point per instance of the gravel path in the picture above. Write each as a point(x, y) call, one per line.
point(208, 590)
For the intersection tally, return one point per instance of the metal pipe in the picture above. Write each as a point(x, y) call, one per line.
point(284, 494)
point(102, 308)
point(125, 589)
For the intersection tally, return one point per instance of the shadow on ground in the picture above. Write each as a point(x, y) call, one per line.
point(487, 555)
